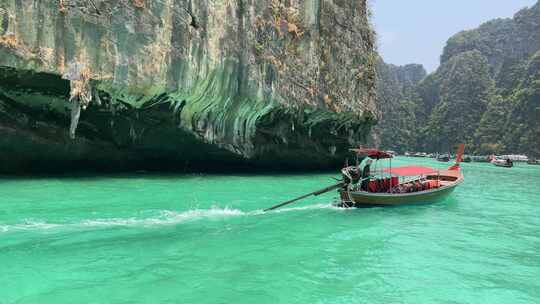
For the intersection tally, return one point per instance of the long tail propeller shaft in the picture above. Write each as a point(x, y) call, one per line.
point(315, 193)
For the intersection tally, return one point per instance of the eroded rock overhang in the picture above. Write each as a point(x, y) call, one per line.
point(184, 85)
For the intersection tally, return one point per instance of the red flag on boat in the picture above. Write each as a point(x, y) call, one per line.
point(459, 158)
point(459, 155)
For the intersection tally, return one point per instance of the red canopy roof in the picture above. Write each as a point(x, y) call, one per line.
point(372, 153)
point(410, 170)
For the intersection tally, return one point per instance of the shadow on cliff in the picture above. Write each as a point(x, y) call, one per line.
point(117, 137)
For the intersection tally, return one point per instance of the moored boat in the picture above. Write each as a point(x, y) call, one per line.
point(520, 158)
point(533, 161)
point(391, 152)
point(506, 163)
point(466, 159)
point(480, 159)
point(443, 158)
point(395, 186)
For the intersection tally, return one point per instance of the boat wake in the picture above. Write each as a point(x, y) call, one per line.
point(310, 207)
point(164, 217)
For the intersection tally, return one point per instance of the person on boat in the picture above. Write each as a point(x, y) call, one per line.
point(366, 172)
point(351, 174)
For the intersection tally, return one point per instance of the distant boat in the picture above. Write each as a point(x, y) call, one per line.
point(506, 163)
point(481, 159)
point(533, 162)
point(393, 153)
point(466, 159)
point(443, 158)
point(418, 185)
point(515, 157)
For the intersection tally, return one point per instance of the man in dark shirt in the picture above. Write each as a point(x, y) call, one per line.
point(365, 175)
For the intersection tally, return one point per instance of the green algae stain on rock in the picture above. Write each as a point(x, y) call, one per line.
point(253, 82)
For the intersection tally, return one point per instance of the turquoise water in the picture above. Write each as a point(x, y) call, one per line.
point(203, 239)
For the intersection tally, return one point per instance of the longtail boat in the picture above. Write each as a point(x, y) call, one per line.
point(394, 186)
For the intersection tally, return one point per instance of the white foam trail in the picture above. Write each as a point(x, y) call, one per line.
point(29, 225)
point(309, 207)
point(166, 217)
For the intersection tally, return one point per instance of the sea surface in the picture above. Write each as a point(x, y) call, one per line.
point(147, 238)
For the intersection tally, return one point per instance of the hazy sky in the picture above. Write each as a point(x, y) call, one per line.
point(415, 31)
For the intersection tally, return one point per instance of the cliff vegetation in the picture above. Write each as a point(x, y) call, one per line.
point(486, 93)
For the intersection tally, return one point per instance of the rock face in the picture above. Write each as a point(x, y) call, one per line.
point(504, 42)
point(182, 84)
point(396, 99)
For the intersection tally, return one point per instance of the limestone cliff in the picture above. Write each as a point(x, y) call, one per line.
point(397, 86)
point(485, 93)
point(182, 84)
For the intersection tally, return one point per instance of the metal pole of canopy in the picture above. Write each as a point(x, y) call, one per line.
point(391, 186)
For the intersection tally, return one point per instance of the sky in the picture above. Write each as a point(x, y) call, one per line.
point(416, 31)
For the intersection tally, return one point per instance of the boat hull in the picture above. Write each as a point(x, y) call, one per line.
point(366, 199)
